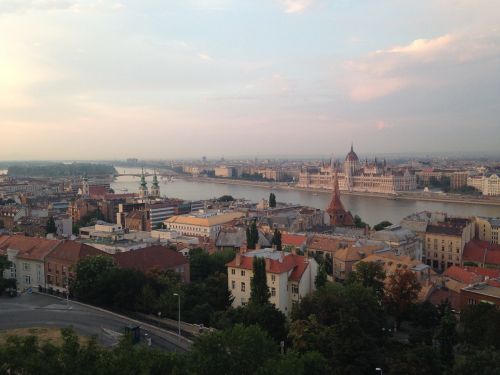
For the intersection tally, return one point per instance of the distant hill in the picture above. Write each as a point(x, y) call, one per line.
point(61, 170)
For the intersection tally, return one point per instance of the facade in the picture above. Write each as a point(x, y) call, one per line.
point(155, 257)
point(60, 261)
point(203, 224)
point(486, 185)
point(27, 255)
point(488, 229)
point(458, 180)
point(486, 292)
point(344, 259)
point(362, 177)
point(445, 242)
point(289, 277)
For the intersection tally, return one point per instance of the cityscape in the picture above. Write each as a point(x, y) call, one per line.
point(217, 187)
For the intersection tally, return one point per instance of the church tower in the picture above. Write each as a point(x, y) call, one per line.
point(85, 187)
point(339, 217)
point(155, 188)
point(143, 189)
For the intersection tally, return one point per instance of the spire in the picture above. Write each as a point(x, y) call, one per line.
point(338, 215)
point(143, 189)
point(155, 180)
point(352, 146)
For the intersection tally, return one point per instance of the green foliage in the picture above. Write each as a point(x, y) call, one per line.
point(61, 170)
point(484, 362)
point(321, 278)
point(252, 235)
point(5, 264)
point(226, 198)
point(240, 351)
point(2, 224)
point(415, 361)
point(358, 222)
point(259, 293)
point(272, 200)
point(446, 336)
point(276, 240)
point(370, 275)
point(382, 225)
point(202, 264)
point(481, 326)
point(51, 226)
point(293, 363)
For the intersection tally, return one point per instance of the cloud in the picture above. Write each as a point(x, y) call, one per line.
point(387, 71)
point(296, 6)
point(205, 57)
point(19, 6)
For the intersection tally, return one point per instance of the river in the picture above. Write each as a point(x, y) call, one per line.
point(371, 209)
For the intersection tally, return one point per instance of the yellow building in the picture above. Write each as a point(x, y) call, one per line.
point(445, 241)
point(203, 224)
point(488, 229)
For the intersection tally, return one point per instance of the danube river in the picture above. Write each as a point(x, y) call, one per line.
point(371, 209)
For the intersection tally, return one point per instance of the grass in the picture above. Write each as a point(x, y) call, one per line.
point(45, 335)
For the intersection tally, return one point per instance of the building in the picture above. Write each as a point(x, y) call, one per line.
point(27, 255)
point(103, 231)
point(155, 258)
point(401, 240)
point(60, 261)
point(356, 176)
point(155, 187)
point(486, 185)
point(458, 180)
point(201, 224)
point(482, 254)
point(143, 188)
point(289, 277)
point(344, 259)
point(225, 171)
point(485, 292)
point(445, 242)
point(488, 229)
point(339, 217)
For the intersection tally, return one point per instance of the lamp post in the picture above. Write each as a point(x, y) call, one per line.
point(179, 317)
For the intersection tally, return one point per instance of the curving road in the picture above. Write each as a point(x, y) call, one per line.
point(35, 310)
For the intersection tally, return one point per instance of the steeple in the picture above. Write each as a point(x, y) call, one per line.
point(143, 189)
point(155, 188)
point(338, 215)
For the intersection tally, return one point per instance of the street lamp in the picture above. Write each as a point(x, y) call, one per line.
point(179, 317)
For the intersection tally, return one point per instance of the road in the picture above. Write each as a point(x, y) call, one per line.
point(35, 310)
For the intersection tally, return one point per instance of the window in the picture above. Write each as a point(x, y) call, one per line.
point(242, 273)
point(273, 277)
point(26, 266)
point(27, 279)
point(295, 289)
point(233, 284)
point(242, 287)
point(233, 271)
point(273, 292)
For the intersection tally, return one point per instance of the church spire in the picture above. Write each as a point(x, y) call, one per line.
point(338, 215)
point(143, 189)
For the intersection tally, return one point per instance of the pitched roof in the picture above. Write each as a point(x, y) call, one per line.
point(72, 251)
point(462, 275)
point(205, 220)
point(293, 239)
point(448, 230)
point(32, 248)
point(327, 243)
point(482, 251)
point(151, 257)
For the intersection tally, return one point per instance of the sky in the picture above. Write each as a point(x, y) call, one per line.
point(99, 79)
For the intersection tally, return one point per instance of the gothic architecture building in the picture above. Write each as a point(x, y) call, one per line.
point(357, 176)
point(339, 217)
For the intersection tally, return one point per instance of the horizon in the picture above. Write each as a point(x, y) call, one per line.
point(183, 79)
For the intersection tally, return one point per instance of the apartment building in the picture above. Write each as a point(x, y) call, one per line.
point(488, 229)
point(201, 224)
point(289, 277)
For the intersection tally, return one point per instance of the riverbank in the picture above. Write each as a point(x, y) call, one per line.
point(412, 196)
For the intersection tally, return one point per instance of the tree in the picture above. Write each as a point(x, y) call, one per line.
point(358, 222)
point(481, 324)
point(90, 284)
point(252, 235)
point(382, 225)
point(2, 224)
point(414, 361)
point(272, 200)
point(51, 226)
point(447, 338)
point(321, 278)
point(237, 351)
point(259, 293)
point(483, 362)
point(276, 240)
point(5, 264)
point(401, 293)
point(370, 275)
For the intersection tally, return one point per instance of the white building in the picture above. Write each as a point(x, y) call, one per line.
point(487, 185)
point(289, 277)
point(402, 240)
point(27, 255)
point(201, 224)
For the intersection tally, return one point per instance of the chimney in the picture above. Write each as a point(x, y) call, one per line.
point(238, 259)
point(268, 264)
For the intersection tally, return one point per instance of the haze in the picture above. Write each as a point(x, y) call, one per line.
point(172, 79)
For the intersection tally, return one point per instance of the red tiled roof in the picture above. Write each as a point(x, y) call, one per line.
point(32, 248)
point(98, 191)
point(482, 251)
point(149, 258)
point(72, 251)
point(462, 275)
point(293, 239)
point(291, 262)
point(490, 272)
